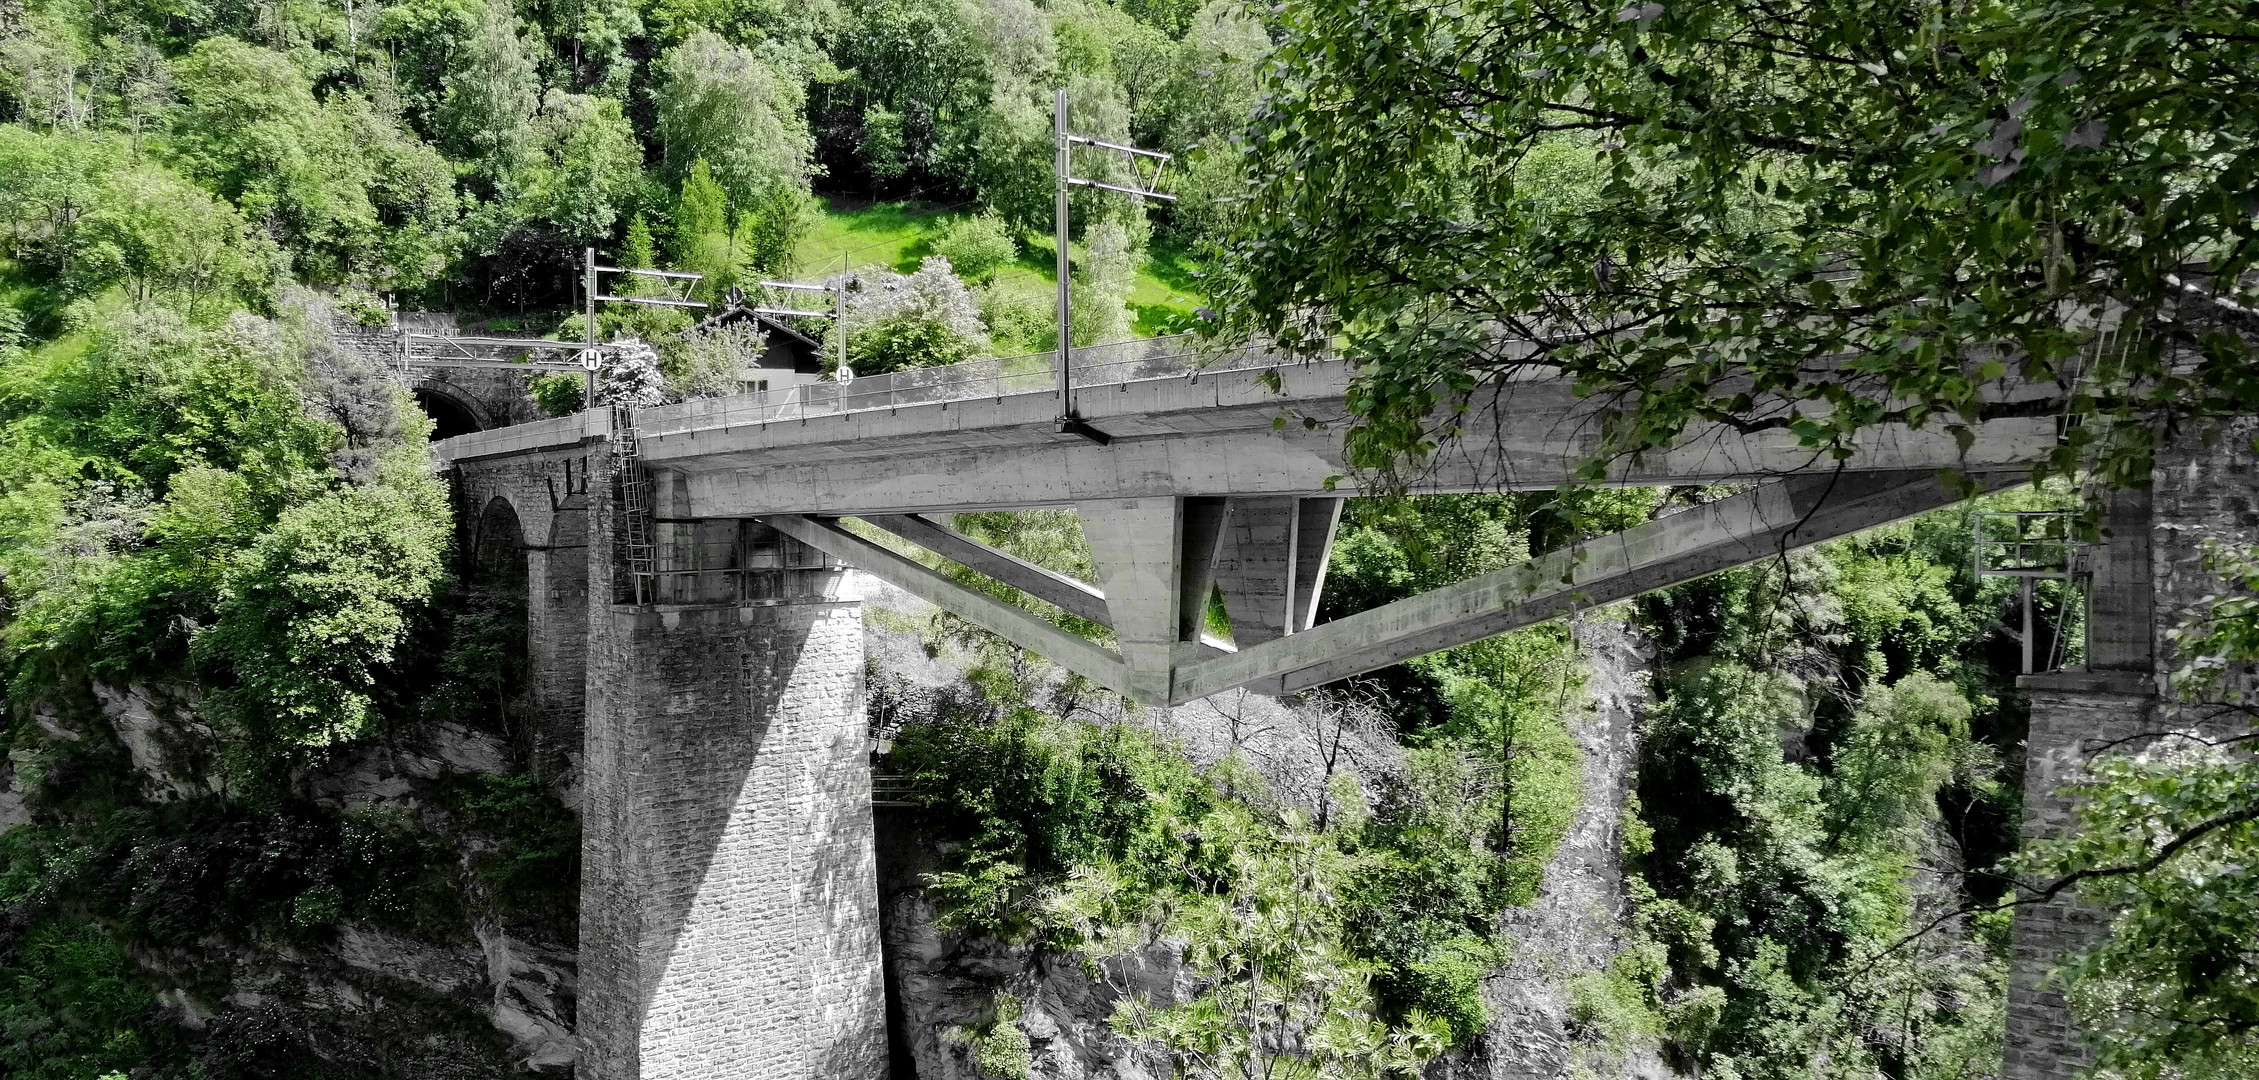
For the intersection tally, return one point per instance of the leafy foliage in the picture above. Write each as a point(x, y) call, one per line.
point(320, 605)
point(1819, 217)
point(976, 246)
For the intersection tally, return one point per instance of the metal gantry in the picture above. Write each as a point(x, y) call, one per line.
point(592, 288)
point(2032, 546)
point(838, 314)
point(1063, 168)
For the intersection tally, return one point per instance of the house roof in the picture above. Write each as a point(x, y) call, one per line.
point(738, 310)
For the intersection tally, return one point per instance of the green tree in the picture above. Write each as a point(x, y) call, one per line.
point(702, 241)
point(321, 603)
point(595, 166)
point(492, 92)
point(1101, 313)
point(162, 237)
point(743, 118)
point(1882, 206)
point(424, 40)
point(922, 70)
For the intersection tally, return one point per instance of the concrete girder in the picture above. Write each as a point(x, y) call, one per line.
point(1035, 469)
point(1272, 564)
point(1054, 588)
point(1731, 532)
point(1155, 561)
point(1010, 623)
point(1217, 435)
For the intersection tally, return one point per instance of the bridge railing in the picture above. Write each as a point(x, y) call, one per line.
point(1033, 373)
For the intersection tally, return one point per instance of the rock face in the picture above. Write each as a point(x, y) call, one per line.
point(474, 1004)
point(393, 772)
point(171, 749)
point(943, 983)
point(1580, 919)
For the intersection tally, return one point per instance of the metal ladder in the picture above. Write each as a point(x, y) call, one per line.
point(633, 541)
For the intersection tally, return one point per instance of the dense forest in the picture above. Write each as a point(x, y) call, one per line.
point(211, 511)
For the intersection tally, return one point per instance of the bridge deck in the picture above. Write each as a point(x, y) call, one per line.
point(982, 435)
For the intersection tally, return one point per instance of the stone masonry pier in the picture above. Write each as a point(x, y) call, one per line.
point(714, 740)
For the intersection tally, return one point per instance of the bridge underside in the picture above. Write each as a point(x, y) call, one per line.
point(1159, 558)
point(1232, 480)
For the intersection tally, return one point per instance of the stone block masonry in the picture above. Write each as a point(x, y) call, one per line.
point(2073, 715)
point(2148, 578)
point(729, 890)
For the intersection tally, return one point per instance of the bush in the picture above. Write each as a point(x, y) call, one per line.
point(559, 393)
point(1016, 323)
point(977, 246)
point(320, 603)
point(908, 340)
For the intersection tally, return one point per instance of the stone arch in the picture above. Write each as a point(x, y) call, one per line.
point(452, 412)
point(558, 617)
point(498, 547)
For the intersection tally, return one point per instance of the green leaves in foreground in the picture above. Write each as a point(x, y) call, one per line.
point(1814, 217)
point(2174, 991)
point(2168, 839)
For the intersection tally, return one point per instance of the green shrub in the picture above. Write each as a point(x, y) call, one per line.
point(1017, 324)
point(976, 246)
point(907, 340)
point(1446, 984)
point(1000, 1048)
point(532, 869)
point(71, 1003)
point(559, 393)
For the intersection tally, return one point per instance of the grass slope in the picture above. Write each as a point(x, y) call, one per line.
point(855, 232)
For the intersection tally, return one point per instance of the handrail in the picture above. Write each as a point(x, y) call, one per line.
point(1141, 360)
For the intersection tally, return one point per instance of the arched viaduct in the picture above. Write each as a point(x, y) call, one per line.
point(699, 662)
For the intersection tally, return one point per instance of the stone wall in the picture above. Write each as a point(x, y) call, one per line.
point(549, 496)
point(729, 894)
point(2205, 488)
point(2073, 714)
point(2149, 578)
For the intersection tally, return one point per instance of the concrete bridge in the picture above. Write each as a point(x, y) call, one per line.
point(698, 650)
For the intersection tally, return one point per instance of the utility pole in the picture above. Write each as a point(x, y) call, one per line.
point(588, 356)
point(1063, 169)
point(1062, 166)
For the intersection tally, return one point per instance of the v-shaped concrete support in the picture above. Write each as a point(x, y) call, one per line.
point(1010, 623)
point(1272, 565)
point(1731, 532)
point(1156, 561)
point(1047, 585)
